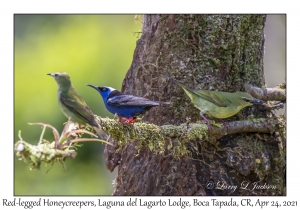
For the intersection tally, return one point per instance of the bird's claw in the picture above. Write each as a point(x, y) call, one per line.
point(129, 120)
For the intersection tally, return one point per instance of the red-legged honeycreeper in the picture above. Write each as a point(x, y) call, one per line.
point(72, 104)
point(125, 106)
point(219, 104)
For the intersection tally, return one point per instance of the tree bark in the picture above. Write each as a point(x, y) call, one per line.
point(211, 52)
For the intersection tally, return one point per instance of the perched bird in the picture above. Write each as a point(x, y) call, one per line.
point(72, 104)
point(125, 106)
point(219, 104)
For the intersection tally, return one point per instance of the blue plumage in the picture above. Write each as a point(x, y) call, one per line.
point(125, 106)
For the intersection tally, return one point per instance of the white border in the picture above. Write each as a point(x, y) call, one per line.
point(8, 8)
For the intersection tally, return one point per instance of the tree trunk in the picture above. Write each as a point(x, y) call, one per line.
point(210, 52)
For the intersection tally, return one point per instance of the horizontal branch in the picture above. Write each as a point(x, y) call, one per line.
point(148, 131)
point(157, 138)
point(267, 94)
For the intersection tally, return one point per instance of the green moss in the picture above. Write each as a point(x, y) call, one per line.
point(225, 46)
point(179, 140)
point(43, 152)
point(156, 138)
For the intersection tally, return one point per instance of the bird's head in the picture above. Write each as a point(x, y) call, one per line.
point(103, 90)
point(61, 78)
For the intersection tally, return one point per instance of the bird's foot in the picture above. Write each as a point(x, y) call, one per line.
point(127, 120)
point(131, 120)
point(207, 121)
point(221, 123)
point(225, 124)
point(121, 120)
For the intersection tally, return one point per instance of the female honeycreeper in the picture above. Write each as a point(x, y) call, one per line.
point(125, 106)
point(72, 104)
point(219, 104)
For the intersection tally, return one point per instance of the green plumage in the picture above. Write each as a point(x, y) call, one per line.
point(72, 104)
point(218, 104)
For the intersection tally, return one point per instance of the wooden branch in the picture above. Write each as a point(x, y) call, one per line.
point(146, 134)
point(142, 130)
point(158, 137)
point(267, 94)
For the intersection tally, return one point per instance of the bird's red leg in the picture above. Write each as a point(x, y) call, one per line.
point(131, 120)
point(121, 120)
point(127, 120)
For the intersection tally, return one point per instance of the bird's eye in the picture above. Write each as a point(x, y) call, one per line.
point(55, 75)
point(103, 89)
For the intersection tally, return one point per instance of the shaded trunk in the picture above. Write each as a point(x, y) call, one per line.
point(212, 52)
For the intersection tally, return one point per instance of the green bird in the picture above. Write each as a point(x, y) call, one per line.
point(72, 104)
point(219, 104)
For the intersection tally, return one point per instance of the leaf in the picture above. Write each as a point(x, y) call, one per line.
point(55, 132)
point(90, 139)
point(66, 135)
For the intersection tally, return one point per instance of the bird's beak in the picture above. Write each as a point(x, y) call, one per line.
point(93, 86)
point(50, 74)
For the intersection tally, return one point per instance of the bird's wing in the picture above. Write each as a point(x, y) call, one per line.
point(215, 97)
point(78, 106)
point(129, 100)
point(205, 95)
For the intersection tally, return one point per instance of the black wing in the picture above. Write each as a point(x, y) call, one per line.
point(130, 100)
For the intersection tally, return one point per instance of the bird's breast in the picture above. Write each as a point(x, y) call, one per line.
point(127, 112)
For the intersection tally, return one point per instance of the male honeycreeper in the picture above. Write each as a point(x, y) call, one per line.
point(125, 106)
point(72, 104)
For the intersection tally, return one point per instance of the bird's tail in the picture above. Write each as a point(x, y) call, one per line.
point(254, 101)
point(101, 133)
point(163, 103)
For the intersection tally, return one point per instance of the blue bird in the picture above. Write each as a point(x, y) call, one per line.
point(125, 106)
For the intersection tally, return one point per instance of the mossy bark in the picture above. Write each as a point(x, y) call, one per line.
point(212, 52)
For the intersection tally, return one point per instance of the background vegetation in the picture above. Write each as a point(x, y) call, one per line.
point(94, 49)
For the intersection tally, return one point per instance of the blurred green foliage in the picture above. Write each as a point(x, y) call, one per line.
point(95, 49)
